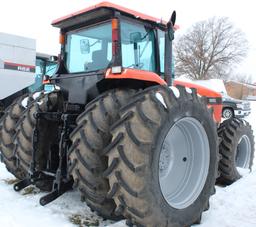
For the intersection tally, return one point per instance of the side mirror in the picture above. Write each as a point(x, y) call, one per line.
point(135, 37)
point(173, 18)
point(53, 58)
point(84, 46)
point(170, 26)
point(168, 58)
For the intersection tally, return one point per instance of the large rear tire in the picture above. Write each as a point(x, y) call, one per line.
point(87, 161)
point(47, 134)
point(236, 149)
point(7, 132)
point(163, 159)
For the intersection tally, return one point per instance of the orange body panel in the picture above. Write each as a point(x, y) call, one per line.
point(113, 6)
point(217, 109)
point(153, 77)
point(136, 75)
point(203, 91)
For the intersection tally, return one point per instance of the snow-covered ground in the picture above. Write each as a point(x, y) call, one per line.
point(233, 206)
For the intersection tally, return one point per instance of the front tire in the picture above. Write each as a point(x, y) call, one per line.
point(141, 159)
point(236, 149)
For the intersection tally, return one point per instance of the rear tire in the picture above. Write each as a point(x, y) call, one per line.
point(144, 168)
point(236, 149)
point(87, 161)
point(7, 132)
point(47, 134)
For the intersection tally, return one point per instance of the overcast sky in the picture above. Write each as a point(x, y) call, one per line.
point(33, 18)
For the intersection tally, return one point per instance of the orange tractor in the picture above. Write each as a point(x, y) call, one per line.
point(116, 129)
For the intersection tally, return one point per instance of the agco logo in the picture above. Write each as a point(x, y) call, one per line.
point(23, 69)
point(19, 67)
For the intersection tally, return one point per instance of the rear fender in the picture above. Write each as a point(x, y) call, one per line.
point(214, 98)
point(136, 74)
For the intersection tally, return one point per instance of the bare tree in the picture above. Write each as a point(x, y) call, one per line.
point(210, 49)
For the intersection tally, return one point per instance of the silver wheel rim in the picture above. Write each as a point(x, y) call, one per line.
point(227, 114)
point(243, 153)
point(184, 162)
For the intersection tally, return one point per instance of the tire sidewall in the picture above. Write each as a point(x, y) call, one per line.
point(192, 213)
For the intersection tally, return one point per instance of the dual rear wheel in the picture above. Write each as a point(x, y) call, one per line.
point(150, 156)
point(8, 129)
point(17, 130)
point(156, 164)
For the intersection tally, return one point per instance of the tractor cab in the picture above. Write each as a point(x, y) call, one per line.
point(108, 41)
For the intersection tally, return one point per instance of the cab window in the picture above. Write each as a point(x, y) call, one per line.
point(138, 50)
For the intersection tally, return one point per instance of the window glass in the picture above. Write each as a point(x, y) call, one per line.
point(161, 49)
point(51, 68)
point(40, 64)
point(137, 46)
point(40, 67)
point(89, 49)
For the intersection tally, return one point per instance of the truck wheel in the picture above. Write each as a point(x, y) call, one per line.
point(47, 135)
point(7, 131)
point(87, 161)
point(227, 113)
point(163, 158)
point(236, 149)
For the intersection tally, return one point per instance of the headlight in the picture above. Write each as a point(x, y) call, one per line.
point(240, 105)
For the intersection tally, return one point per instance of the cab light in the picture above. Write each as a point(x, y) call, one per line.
point(116, 69)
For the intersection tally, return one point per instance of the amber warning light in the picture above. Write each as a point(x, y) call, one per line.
point(62, 39)
point(115, 36)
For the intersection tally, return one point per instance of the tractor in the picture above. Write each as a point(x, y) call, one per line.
point(15, 98)
point(116, 128)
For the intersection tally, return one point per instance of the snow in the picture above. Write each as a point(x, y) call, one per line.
point(235, 205)
point(231, 206)
point(214, 84)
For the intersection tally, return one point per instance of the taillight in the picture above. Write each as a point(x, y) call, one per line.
point(214, 100)
point(46, 79)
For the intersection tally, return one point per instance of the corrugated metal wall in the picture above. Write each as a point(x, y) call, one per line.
point(17, 63)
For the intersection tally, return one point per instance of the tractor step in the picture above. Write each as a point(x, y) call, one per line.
point(22, 184)
point(64, 187)
point(35, 177)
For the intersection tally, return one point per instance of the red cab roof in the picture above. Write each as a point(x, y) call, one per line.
point(112, 6)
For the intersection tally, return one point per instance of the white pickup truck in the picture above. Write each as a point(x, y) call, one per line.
point(234, 107)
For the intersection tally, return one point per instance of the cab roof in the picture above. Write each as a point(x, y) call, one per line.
point(67, 20)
